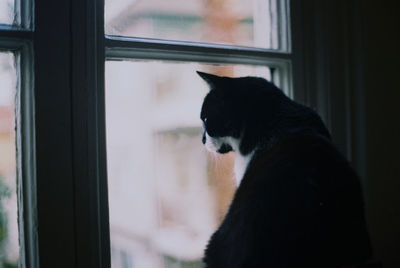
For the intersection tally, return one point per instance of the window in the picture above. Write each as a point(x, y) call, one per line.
point(18, 243)
point(246, 23)
point(104, 167)
point(164, 196)
point(166, 193)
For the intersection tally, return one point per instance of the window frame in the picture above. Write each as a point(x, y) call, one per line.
point(63, 191)
point(71, 99)
point(19, 42)
point(130, 48)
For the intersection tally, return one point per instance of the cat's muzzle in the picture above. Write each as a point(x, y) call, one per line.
point(225, 148)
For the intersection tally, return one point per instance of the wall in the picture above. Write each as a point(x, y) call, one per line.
point(381, 126)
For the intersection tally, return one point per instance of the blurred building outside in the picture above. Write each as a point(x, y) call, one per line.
point(9, 247)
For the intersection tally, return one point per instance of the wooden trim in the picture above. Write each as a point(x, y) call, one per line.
point(24, 18)
point(88, 135)
point(54, 156)
point(18, 35)
point(118, 48)
point(26, 159)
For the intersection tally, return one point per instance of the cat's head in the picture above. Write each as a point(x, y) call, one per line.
point(229, 107)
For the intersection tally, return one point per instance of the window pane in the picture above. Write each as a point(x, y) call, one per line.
point(239, 22)
point(9, 247)
point(167, 194)
point(7, 11)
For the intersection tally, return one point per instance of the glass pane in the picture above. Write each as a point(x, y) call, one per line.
point(167, 194)
point(238, 22)
point(7, 11)
point(9, 247)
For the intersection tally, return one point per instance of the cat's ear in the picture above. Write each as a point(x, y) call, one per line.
point(211, 79)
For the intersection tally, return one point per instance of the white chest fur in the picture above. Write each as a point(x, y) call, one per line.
point(241, 164)
point(241, 161)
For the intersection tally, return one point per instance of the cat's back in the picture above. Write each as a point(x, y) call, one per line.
point(298, 205)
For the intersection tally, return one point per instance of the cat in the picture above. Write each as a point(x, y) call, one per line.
point(298, 201)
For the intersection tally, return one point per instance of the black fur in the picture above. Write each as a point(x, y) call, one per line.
point(299, 204)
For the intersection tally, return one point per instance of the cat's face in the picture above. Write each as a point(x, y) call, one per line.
point(220, 115)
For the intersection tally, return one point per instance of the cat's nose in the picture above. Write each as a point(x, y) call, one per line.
point(204, 137)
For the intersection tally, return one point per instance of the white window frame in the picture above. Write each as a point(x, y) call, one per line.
point(63, 197)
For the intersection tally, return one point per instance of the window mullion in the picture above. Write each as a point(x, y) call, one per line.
point(129, 48)
point(118, 48)
point(25, 18)
point(12, 38)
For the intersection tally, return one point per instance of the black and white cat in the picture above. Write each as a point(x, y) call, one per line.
point(298, 202)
